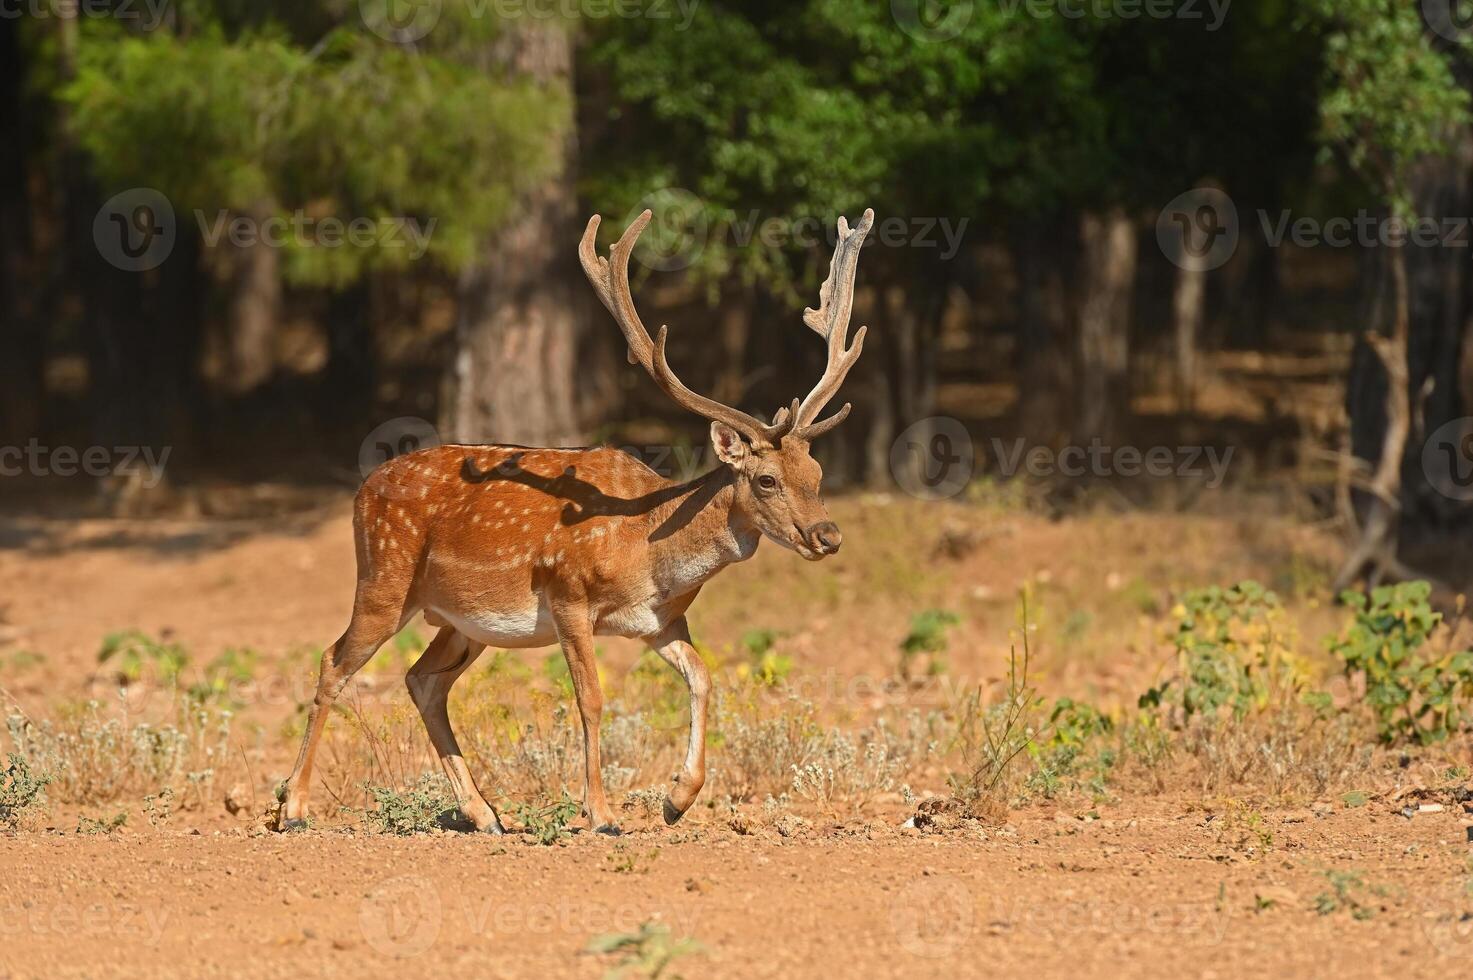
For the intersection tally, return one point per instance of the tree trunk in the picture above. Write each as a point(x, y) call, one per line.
point(1188, 311)
point(1375, 552)
point(1107, 278)
point(21, 392)
point(735, 330)
point(254, 310)
point(514, 378)
point(1044, 257)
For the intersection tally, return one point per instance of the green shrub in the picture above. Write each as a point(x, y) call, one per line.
point(927, 635)
point(1232, 652)
point(412, 811)
point(1076, 749)
point(132, 653)
point(551, 823)
point(1416, 693)
point(764, 664)
point(22, 790)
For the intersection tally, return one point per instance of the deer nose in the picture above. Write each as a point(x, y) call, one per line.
point(825, 537)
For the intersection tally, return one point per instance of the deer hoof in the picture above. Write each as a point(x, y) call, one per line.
point(493, 829)
point(672, 815)
point(286, 826)
point(609, 830)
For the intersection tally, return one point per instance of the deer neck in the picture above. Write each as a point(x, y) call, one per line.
point(700, 531)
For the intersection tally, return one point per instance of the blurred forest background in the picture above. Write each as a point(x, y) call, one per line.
point(1032, 286)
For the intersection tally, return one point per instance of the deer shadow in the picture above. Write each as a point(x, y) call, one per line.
point(583, 501)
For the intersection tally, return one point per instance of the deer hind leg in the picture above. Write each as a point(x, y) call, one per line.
point(576, 636)
point(373, 622)
point(674, 647)
point(429, 681)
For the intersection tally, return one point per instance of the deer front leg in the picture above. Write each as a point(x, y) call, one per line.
point(674, 646)
point(575, 633)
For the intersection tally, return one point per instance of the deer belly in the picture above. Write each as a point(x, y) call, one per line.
point(635, 621)
point(530, 627)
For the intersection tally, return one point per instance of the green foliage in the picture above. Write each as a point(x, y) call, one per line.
point(133, 653)
point(22, 790)
point(1416, 693)
point(1348, 892)
point(22, 661)
point(765, 665)
point(927, 635)
point(1389, 97)
point(415, 810)
point(273, 116)
point(1077, 746)
point(646, 953)
point(551, 823)
point(231, 670)
point(555, 669)
point(1231, 650)
point(89, 826)
point(994, 737)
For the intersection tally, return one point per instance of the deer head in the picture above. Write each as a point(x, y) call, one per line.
point(776, 480)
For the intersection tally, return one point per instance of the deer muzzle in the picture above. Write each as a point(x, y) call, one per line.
point(824, 537)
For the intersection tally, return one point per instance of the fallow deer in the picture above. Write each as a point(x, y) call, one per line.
point(511, 547)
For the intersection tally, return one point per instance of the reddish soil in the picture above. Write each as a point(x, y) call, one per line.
point(1149, 884)
point(1146, 893)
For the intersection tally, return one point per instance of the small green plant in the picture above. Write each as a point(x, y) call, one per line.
point(22, 791)
point(928, 635)
point(993, 737)
point(1075, 750)
point(1348, 892)
point(232, 669)
point(764, 664)
point(132, 653)
point(1230, 651)
point(1417, 693)
point(412, 811)
point(24, 660)
point(624, 860)
point(90, 826)
point(646, 953)
point(551, 823)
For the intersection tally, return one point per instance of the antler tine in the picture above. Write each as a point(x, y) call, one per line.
point(831, 322)
point(610, 279)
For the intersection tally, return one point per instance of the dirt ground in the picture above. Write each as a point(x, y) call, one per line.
point(1137, 884)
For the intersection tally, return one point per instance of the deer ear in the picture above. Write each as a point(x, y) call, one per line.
point(729, 446)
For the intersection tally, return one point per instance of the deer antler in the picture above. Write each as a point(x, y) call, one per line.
point(610, 279)
point(831, 322)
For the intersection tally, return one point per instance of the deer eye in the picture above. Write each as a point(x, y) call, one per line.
point(767, 482)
